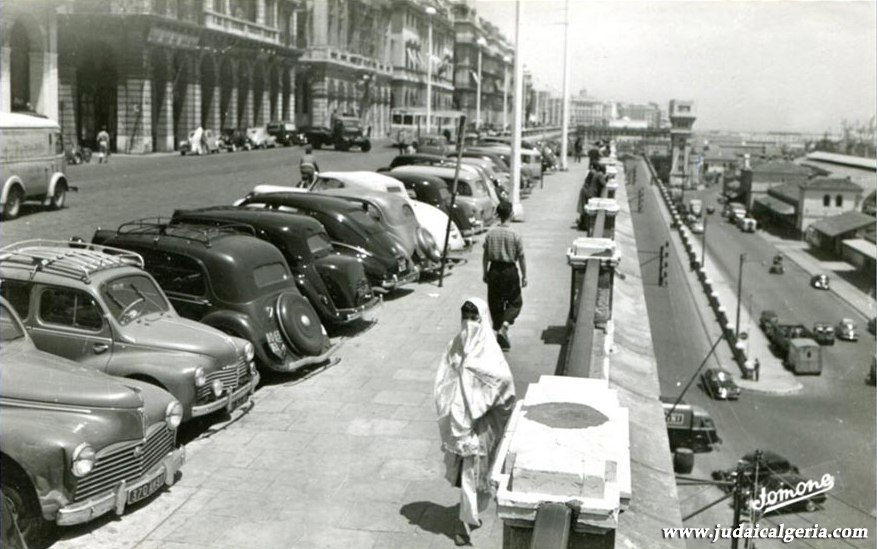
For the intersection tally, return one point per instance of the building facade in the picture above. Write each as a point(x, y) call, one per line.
point(587, 111)
point(151, 71)
point(29, 57)
point(810, 201)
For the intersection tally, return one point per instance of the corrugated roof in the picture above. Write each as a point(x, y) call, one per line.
point(779, 206)
point(831, 183)
point(843, 223)
point(863, 246)
point(781, 167)
point(790, 192)
point(844, 160)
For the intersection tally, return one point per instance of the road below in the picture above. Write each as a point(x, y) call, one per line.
point(829, 427)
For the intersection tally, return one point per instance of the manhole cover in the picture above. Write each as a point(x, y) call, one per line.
point(565, 415)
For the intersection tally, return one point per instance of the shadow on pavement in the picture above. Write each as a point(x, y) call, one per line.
point(432, 517)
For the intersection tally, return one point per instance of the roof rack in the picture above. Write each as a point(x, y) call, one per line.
point(66, 258)
point(186, 230)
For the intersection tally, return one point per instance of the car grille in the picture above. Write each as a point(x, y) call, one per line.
point(363, 292)
point(402, 265)
point(232, 376)
point(126, 461)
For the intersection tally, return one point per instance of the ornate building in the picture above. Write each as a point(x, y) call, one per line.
point(151, 71)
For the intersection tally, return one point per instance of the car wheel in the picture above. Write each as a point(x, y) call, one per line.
point(77, 158)
point(60, 196)
point(23, 505)
point(299, 324)
point(366, 147)
point(683, 461)
point(13, 203)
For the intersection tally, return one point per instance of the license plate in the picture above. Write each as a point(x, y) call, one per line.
point(142, 492)
point(402, 265)
point(235, 403)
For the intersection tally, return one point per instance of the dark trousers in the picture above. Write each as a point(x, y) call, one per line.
point(503, 293)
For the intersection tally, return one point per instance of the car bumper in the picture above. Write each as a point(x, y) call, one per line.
point(293, 364)
point(77, 513)
point(848, 337)
point(230, 402)
point(396, 281)
point(365, 312)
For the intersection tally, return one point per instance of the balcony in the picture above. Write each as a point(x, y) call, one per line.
point(351, 60)
point(241, 27)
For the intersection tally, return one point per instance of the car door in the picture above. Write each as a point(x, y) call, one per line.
point(71, 323)
point(183, 279)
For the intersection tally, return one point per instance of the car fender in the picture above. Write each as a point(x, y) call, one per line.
point(173, 371)
point(57, 178)
point(242, 326)
point(8, 184)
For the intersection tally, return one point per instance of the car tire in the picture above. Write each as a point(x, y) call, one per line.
point(12, 207)
point(683, 461)
point(60, 196)
point(24, 506)
point(299, 324)
point(366, 147)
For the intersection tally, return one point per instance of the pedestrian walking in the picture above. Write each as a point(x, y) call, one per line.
point(503, 253)
point(103, 145)
point(474, 396)
point(594, 153)
point(577, 149)
point(757, 369)
point(308, 167)
point(593, 186)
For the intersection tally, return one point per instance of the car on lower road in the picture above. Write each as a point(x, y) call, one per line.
point(317, 136)
point(820, 282)
point(719, 384)
point(846, 330)
point(823, 333)
point(226, 278)
point(98, 307)
point(77, 444)
point(285, 133)
point(209, 142)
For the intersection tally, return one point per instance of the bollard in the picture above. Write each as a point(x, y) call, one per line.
point(608, 205)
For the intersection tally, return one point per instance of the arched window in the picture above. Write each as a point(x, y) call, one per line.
point(19, 67)
point(839, 200)
point(826, 200)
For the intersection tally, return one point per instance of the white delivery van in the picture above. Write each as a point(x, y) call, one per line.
point(32, 163)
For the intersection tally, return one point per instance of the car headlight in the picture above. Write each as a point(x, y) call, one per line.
point(252, 368)
point(249, 352)
point(173, 414)
point(472, 219)
point(200, 377)
point(217, 387)
point(83, 460)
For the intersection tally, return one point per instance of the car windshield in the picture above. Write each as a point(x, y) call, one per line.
point(10, 328)
point(319, 245)
point(131, 297)
point(722, 376)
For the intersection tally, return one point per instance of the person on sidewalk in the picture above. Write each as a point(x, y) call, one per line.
point(103, 145)
point(308, 167)
point(474, 396)
point(593, 186)
point(503, 252)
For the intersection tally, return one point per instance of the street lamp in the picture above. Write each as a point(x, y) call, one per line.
point(564, 131)
point(481, 43)
point(430, 11)
point(505, 96)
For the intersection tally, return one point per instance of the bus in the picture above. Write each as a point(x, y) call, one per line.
point(32, 163)
point(408, 123)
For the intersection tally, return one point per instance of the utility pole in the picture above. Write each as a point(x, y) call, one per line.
point(564, 132)
point(430, 11)
point(703, 250)
point(739, 293)
point(738, 501)
point(518, 119)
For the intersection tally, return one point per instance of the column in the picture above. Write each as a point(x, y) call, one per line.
point(37, 98)
point(231, 116)
point(164, 121)
point(212, 121)
point(260, 11)
point(66, 101)
point(319, 101)
point(5, 86)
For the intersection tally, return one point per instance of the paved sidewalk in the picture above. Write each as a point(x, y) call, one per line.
point(797, 252)
point(774, 377)
point(349, 456)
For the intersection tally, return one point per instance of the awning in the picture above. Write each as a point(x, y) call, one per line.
point(778, 206)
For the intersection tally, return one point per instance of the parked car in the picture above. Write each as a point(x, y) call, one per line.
point(434, 191)
point(347, 132)
point(259, 138)
point(234, 140)
point(871, 379)
point(820, 282)
point(230, 280)
point(504, 153)
point(286, 134)
point(318, 136)
point(396, 214)
point(209, 141)
point(76, 154)
point(420, 159)
point(767, 318)
point(32, 163)
point(352, 231)
point(97, 306)
point(697, 226)
point(77, 444)
point(433, 144)
point(872, 325)
point(823, 333)
point(470, 187)
point(498, 185)
point(335, 284)
point(746, 224)
point(719, 384)
point(846, 330)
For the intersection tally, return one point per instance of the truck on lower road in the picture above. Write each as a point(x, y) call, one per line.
point(794, 343)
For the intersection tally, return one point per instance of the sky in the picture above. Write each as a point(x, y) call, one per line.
point(780, 65)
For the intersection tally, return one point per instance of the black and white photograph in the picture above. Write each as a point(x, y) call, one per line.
point(425, 274)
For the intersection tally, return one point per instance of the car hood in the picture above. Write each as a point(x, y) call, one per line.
point(173, 333)
point(61, 382)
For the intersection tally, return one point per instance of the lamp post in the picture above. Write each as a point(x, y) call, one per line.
point(739, 293)
point(564, 123)
point(481, 43)
point(505, 96)
point(517, 121)
point(430, 11)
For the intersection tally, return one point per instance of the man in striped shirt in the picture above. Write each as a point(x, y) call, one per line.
point(503, 253)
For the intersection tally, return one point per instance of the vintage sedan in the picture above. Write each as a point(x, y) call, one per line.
point(470, 187)
point(227, 278)
point(79, 444)
point(352, 231)
point(210, 143)
point(823, 333)
point(420, 159)
point(433, 144)
point(98, 307)
point(434, 191)
point(335, 284)
point(847, 330)
point(719, 384)
point(259, 138)
point(820, 282)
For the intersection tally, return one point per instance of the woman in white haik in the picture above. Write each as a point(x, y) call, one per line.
point(474, 396)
